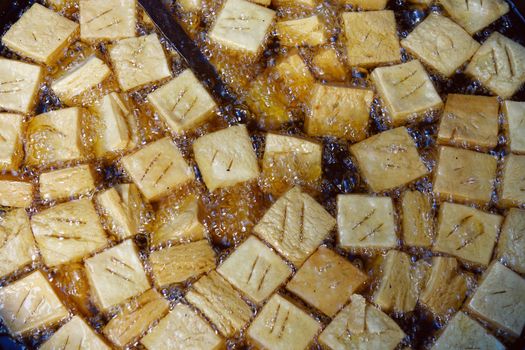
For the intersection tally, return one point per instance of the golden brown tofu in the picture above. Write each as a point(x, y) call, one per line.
point(511, 244)
point(475, 15)
point(295, 77)
point(308, 31)
point(514, 113)
point(19, 85)
point(365, 4)
point(11, 141)
point(67, 183)
point(75, 334)
point(417, 219)
point(107, 20)
point(512, 186)
point(327, 65)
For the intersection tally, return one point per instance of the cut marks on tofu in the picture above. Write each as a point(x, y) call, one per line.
point(475, 15)
point(107, 20)
point(19, 85)
point(67, 183)
point(417, 219)
point(75, 334)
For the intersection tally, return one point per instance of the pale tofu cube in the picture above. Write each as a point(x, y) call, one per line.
point(361, 326)
point(464, 176)
point(295, 225)
point(475, 15)
point(242, 26)
point(328, 66)
point(183, 103)
point(107, 20)
point(181, 329)
point(467, 233)
point(16, 194)
point(281, 325)
point(511, 244)
point(295, 77)
point(500, 299)
point(67, 183)
point(366, 222)
point(514, 113)
point(220, 303)
point(41, 34)
point(11, 141)
point(389, 160)
point(417, 219)
point(470, 121)
point(339, 111)
point(365, 4)
point(462, 332)
point(441, 44)
point(30, 303)
point(226, 157)
point(75, 334)
point(116, 275)
point(309, 31)
point(158, 169)
point(176, 264)
point(255, 270)
point(139, 61)
point(499, 65)
point(135, 318)
point(406, 91)
point(512, 186)
point(67, 232)
point(18, 246)
point(19, 85)
point(371, 38)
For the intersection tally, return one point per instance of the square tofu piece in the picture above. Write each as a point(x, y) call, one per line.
point(68, 232)
point(255, 270)
point(463, 332)
point(19, 85)
point(511, 244)
point(18, 246)
point(512, 189)
point(176, 264)
point(467, 233)
point(361, 326)
point(406, 91)
point(67, 183)
point(183, 103)
point(514, 113)
point(107, 20)
point(16, 194)
point(464, 176)
point(500, 299)
point(475, 15)
point(364, 4)
point(30, 303)
point(499, 65)
point(309, 31)
point(40, 34)
point(158, 168)
point(295, 225)
point(470, 121)
point(326, 281)
point(75, 334)
point(135, 318)
point(339, 111)
point(116, 275)
point(389, 160)
point(242, 26)
point(366, 222)
point(181, 329)
point(441, 44)
point(139, 61)
point(220, 303)
point(294, 76)
point(417, 219)
point(281, 325)
point(371, 38)
point(327, 65)
point(226, 157)
point(11, 141)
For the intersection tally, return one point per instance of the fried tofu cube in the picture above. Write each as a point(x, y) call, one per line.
point(371, 38)
point(475, 15)
point(281, 325)
point(389, 160)
point(417, 219)
point(265, 98)
point(107, 20)
point(295, 77)
point(441, 44)
point(76, 333)
point(190, 5)
point(511, 244)
point(19, 85)
point(499, 65)
point(158, 168)
point(135, 318)
point(67, 183)
point(500, 299)
point(183, 103)
point(182, 328)
point(467, 233)
point(514, 113)
point(30, 303)
point(366, 222)
point(11, 141)
point(116, 275)
point(365, 4)
point(295, 225)
point(512, 189)
point(327, 65)
point(16, 194)
point(41, 34)
point(361, 326)
point(406, 91)
point(226, 157)
point(242, 26)
point(470, 121)
point(67, 232)
point(309, 31)
point(464, 176)
point(301, 4)
point(139, 61)
point(339, 111)
point(220, 303)
point(18, 248)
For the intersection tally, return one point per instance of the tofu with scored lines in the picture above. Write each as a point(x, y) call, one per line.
point(16, 194)
point(308, 31)
point(107, 20)
point(514, 113)
point(511, 244)
point(512, 184)
point(475, 15)
point(417, 219)
point(11, 141)
point(67, 183)
point(19, 85)
point(76, 333)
